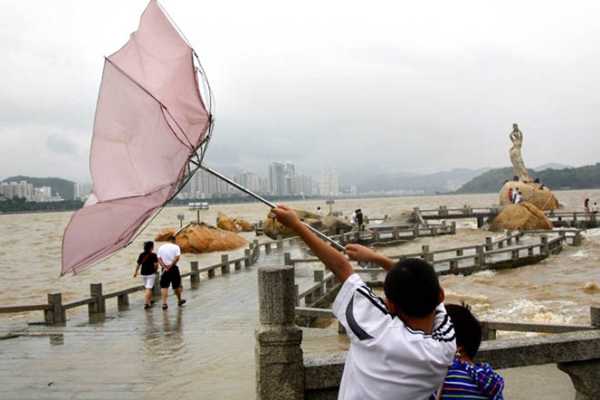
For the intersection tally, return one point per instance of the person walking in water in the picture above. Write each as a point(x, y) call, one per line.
point(148, 262)
point(168, 256)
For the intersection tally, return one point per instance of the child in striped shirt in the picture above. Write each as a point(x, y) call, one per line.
point(467, 379)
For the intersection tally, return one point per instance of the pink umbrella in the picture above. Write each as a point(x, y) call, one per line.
point(150, 133)
point(151, 121)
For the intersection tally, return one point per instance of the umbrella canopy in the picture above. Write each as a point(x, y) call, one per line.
point(150, 121)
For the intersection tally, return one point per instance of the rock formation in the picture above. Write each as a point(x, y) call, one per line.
point(327, 224)
point(202, 238)
point(532, 192)
point(233, 224)
point(542, 198)
point(522, 216)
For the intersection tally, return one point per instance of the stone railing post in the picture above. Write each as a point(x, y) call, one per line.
point(577, 239)
point(480, 259)
point(279, 242)
point(585, 376)
point(453, 227)
point(97, 309)
point(195, 276)
point(247, 258)
point(287, 259)
point(489, 244)
point(595, 317)
point(224, 264)
point(55, 314)
point(123, 302)
point(545, 249)
point(427, 256)
point(279, 360)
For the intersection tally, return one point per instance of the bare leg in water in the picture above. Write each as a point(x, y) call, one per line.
point(164, 293)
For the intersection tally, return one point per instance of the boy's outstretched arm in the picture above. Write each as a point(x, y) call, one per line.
point(333, 259)
point(361, 253)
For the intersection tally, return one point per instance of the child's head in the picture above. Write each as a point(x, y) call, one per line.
point(148, 246)
point(413, 288)
point(467, 329)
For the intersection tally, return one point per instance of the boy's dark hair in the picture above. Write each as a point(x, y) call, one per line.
point(148, 246)
point(413, 286)
point(467, 328)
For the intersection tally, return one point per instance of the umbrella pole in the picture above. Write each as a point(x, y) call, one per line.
point(326, 238)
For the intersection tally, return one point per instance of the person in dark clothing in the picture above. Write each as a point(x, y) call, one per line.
point(148, 262)
point(359, 219)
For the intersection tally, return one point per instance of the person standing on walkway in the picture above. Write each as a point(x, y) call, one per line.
point(586, 205)
point(168, 256)
point(148, 262)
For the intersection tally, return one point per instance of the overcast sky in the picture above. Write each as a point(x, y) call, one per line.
point(357, 86)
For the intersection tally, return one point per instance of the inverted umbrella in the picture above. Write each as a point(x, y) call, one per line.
point(151, 130)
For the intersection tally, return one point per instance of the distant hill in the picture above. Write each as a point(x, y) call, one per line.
point(60, 186)
point(444, 181)
point(552, 166)
point(586, 177)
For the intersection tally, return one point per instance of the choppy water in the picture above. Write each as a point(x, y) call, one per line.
point(216, 343)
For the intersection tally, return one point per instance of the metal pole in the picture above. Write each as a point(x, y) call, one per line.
point(270, 204)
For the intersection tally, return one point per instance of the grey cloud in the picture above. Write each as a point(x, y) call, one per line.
point(402, 87)
point(61, 145)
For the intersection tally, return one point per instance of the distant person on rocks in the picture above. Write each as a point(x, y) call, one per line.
point(595, 208)
point(168, 256)
point(467, 379)
point(518, 197)
point(148, 262)
point(586, 205)
point(400, 346)
point(360, 219)
point(319, 211)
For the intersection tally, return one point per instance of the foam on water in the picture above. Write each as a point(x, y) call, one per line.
point(579, 254)
point(524, 310)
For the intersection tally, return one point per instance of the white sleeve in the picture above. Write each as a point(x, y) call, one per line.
point(359, 310)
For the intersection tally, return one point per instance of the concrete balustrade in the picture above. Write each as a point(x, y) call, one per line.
point(284, 373)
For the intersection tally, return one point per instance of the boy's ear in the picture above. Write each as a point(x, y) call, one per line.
point(391, 306)
point(442, 296)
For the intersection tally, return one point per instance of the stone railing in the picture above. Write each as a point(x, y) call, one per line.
point(282, 372)
point(55, 311)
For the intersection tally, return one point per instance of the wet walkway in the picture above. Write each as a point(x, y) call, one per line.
point(203, 350)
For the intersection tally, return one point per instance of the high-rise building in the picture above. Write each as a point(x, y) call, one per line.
point(277, 178)
point(281, 178)
point(204, 185)
point(329, 184)
point(249, 180)
point(303, 185)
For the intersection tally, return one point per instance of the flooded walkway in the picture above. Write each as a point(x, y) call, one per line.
point(203, 350)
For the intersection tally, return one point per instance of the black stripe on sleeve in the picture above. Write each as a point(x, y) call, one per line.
point(374, 300)
point(356, 329)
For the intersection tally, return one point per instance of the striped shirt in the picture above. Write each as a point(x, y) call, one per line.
point(472, 381)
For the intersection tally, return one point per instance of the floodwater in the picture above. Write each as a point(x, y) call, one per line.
point(206, 349)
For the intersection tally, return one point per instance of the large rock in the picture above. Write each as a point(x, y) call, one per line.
point(202, 238)
point(522, 216)
point(532, 193)
point(233, 224)
point(327, 224)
